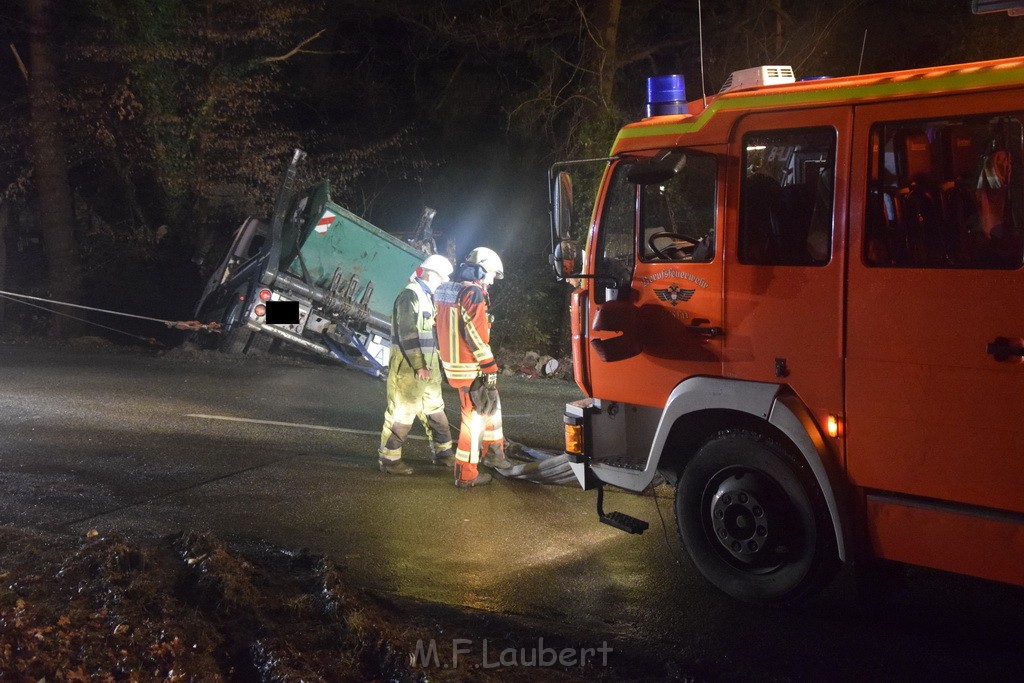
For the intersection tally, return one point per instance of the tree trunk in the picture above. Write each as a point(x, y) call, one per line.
point(4, 217)
point(56, 216)
point(777, 9)
point(605, 21)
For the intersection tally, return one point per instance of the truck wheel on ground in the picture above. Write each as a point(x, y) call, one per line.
point(235, 336)
point(261, 343)
point(203, 338)
point(235, 340)
point(754, 521)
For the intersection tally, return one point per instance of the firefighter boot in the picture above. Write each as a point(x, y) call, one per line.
point(395, 466)
point(444, 458)
point(496, 458)
point(467, 476)
point(480, 480)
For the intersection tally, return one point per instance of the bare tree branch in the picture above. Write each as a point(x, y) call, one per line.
point(297, 49)
point(21, 64)
point(648, 52)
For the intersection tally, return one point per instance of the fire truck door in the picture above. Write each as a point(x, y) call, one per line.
point(655, 308)
point(936, 308)
point(784, 280)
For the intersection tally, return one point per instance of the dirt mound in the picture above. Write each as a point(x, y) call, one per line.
point(190, 607)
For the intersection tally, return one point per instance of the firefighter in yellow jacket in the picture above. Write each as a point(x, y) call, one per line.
point(414, 376)
point(463, 338)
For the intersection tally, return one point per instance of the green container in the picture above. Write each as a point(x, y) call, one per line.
point(332, 236)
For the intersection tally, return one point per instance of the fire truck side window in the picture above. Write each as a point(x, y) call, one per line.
point(786, 197)
point(677, 217)
point(615, 242)
point(946, 193)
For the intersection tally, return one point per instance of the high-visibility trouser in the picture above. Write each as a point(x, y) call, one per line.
point(478, 434)
point(409, 398)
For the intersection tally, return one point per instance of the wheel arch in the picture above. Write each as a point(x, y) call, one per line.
point(701, 407)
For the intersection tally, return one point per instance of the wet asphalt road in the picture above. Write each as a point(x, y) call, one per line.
point(135, 443)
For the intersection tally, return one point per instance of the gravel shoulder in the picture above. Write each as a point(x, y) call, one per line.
point(191, 607)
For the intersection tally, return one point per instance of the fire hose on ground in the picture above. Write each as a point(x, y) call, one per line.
point(537, 465)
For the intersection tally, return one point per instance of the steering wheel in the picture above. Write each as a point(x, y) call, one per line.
point(685, 250)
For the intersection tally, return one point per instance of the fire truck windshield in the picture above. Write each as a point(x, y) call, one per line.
point(671, 220)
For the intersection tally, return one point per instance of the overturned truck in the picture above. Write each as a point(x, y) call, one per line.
point(314, 276)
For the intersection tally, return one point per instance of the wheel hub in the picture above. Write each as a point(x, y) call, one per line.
point(739, 518)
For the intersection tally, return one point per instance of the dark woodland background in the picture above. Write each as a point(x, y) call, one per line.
point(136, 135)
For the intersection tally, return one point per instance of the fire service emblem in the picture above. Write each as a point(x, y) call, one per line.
point(673, 294)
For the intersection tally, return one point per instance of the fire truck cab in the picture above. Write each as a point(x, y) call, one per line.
point(802, 303)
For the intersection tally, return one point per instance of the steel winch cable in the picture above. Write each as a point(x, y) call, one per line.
point(173, 324)
point(84, 320)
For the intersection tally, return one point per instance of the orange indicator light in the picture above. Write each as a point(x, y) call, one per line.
point(573, 438)
point(833, 426)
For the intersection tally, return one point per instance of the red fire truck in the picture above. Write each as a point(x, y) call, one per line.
point(802, 303)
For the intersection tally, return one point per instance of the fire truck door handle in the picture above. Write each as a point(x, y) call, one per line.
point(1003, 349)
point(697, 327)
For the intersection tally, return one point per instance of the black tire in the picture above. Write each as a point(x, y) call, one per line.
point(235, 337)
point(235, 340)
point(261, 343)
point(754, 520)
point(203, 338)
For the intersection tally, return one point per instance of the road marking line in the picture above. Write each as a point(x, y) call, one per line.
point(294, 424)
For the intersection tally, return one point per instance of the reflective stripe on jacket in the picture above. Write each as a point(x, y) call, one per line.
point(412, 325)
point(464, 332)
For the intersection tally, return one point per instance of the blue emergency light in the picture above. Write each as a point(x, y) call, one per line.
point(666, 95)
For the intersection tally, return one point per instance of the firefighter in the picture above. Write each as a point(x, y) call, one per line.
point(463, 335)
point(414, 375)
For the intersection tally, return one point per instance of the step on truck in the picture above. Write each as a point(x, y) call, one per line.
point(802, 303)
point(314, 276)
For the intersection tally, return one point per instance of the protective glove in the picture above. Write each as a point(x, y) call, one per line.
point(492, 391)
point(483, 392)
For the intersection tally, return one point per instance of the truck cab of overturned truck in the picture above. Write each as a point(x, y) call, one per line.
point(802, 303)
point(314, 276)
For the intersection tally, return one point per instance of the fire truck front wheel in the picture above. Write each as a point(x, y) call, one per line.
point(754, 521)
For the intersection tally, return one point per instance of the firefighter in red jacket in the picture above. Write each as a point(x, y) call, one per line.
point(463, 339)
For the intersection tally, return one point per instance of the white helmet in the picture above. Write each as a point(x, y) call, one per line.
point(437, 263)
point(488, 260)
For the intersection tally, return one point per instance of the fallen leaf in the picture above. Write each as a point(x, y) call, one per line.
point(77, 675)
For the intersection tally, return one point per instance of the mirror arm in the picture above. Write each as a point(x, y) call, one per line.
point(595, 278)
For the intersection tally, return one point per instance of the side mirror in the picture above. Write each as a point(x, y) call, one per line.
point(562, 205)
point(565, 259)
